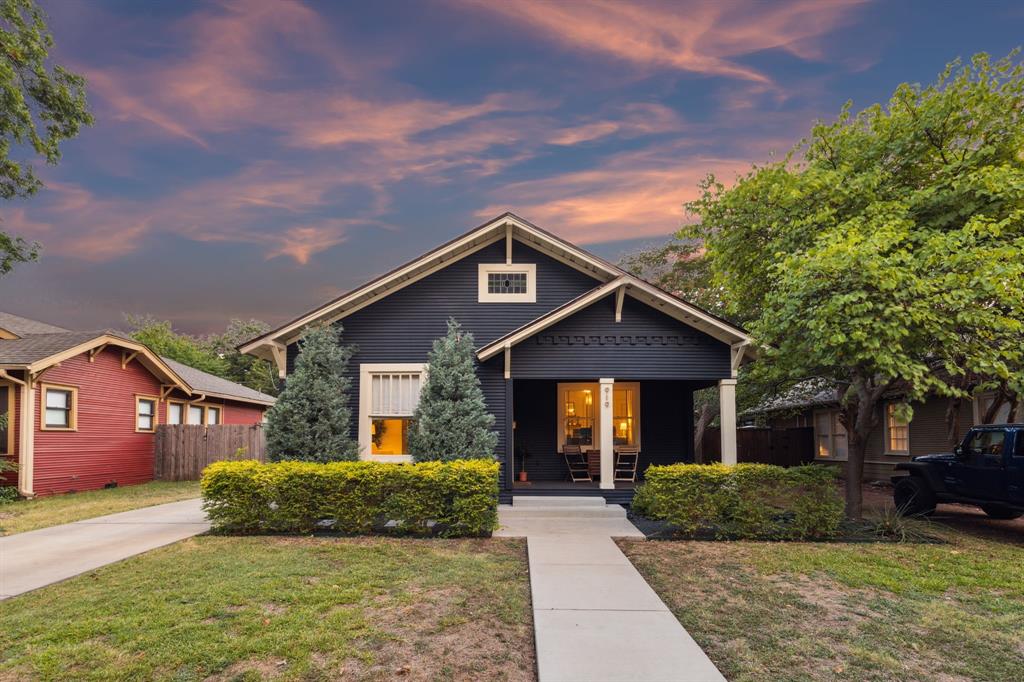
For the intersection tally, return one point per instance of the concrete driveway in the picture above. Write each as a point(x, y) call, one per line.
point(37, 558)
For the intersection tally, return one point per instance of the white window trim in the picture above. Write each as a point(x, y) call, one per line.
point(833, 416)
point(366, 370)
point(595, 387)
point(485, 269)
point(886, 450)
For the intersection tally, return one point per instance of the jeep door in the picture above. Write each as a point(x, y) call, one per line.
point(1015, 479)
point(981, 470)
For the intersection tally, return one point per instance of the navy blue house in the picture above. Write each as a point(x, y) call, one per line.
point(571, 350)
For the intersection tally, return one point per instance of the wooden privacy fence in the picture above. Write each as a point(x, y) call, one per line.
point(784, 447)
point(184, 450)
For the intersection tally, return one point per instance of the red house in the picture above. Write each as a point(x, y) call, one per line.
point(82, 407)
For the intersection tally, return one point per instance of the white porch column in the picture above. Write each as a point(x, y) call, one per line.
point(727, 417)
point(26, 441)
point(607, 424)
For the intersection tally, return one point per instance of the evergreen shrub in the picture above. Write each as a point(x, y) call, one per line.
point(457, 498)
point(745, 501)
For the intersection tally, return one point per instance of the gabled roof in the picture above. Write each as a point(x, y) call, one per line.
point(22, 326)
point(506, 226)
point(34, 350)
point(218, 387)
point(38, 352)
point(544, 321)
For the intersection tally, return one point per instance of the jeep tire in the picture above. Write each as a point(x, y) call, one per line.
point(913, 496)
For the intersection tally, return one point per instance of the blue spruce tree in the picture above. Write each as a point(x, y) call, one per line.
point(451, 420)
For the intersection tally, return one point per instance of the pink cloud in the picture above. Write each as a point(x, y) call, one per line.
point(702, 37)
point(636, 194)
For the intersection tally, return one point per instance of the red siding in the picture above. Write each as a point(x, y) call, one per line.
point(242, 413)
point(105, 447)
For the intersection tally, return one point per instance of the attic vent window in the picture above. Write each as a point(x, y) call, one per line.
point(507, 283)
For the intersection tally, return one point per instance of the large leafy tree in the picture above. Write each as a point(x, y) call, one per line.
point(217, 353)
point(41, 105)
point(241, 368)
point(886, 252)
point(451, 420)
point(163, 340)
point(311, 419)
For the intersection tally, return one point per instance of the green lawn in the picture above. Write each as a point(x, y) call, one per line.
point(18, 517)
point(792, 611)
point(229, 608)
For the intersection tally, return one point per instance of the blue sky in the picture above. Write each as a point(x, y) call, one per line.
point(253, 159)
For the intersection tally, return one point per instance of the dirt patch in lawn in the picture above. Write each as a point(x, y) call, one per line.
point(821, 612)
point(228, 608)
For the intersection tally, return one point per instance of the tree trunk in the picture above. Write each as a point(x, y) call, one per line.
point(953, 421)
point(860, 420)
point(706, 415)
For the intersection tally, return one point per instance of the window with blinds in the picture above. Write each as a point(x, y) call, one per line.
point(393, 399)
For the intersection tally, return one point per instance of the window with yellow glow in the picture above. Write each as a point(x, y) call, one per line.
point(897, 430)
point(579, 415)
point(579, 420)
point(624, 416)
point(393, 399)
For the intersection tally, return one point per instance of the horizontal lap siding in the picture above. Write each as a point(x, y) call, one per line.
point(647, 344)
point(242, 413)
point(402, 327)
point(105, 447)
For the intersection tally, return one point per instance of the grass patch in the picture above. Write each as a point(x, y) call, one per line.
point(882, 611)
point(283, 608)
point(18, 517)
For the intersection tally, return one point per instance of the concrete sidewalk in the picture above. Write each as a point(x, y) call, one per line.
point(595, 618)
point(37, 558)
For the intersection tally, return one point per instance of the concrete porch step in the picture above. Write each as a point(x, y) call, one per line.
point(604, 511)
point(556, 501)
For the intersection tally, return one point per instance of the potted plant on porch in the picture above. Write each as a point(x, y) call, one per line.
point(522, 453)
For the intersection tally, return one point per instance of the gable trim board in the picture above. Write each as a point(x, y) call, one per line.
point(505, 227)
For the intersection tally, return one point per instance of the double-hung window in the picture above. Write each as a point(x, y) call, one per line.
point(175, 413)
point(897, 431)
point(145, 414)
point(389, 395)
point(60, 406)
point(830, 435)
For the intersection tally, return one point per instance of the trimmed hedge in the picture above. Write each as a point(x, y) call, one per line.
point(745, 501)
point(457, 498)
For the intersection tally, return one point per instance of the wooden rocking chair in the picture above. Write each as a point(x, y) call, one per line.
point(577, 463)
point(626, 459)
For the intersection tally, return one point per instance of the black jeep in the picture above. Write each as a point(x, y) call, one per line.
point(986, 469)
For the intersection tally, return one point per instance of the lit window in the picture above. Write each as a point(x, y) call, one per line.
point(625, 415)
point(579, 415)
point(195, 414)
point(60, 405)
point(507, 283)
point(897, 431)
point(830, 435)
point(145, 414)
point(212, 416)
point(393, 400)
point(175, 413)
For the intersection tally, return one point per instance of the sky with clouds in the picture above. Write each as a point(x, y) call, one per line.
point(253, 159)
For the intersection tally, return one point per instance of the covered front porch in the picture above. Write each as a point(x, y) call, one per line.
point(612, 428)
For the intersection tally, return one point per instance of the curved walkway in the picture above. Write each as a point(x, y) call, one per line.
point(595, 618)
point(37, 558)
